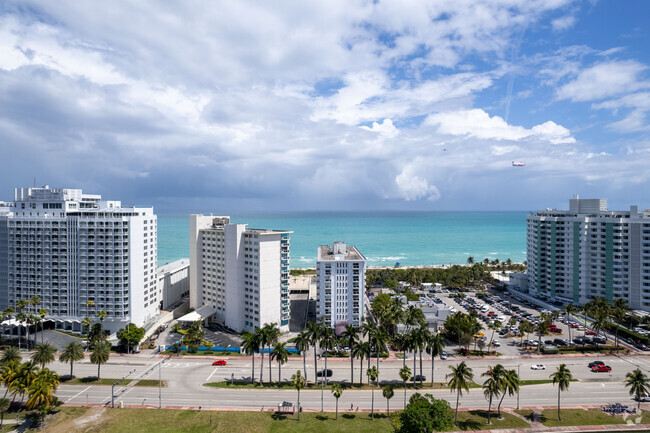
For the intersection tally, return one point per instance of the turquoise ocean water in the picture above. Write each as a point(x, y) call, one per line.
point(410, 238)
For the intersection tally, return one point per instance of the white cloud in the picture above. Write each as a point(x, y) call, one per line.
point(563, 23)
point(412, 186)
point(477, 123)
point(605, 80)
point(386, 128)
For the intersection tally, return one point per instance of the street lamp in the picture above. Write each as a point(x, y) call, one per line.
point(113, 394)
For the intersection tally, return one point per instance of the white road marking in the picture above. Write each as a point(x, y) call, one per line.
point(211, 374)
point(77, 395)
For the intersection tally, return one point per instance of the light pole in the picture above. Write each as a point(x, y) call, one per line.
point(518, 365)
point(160, 384)
point(322, 390)
point(112, 394)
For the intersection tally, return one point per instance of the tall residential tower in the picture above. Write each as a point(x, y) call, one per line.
point(69, 248)
point(588, 251)
point(239, 276)
point(341, 274)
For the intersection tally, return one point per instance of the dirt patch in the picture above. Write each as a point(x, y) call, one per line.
point(69, 420)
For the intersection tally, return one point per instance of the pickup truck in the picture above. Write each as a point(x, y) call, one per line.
point(553, 328)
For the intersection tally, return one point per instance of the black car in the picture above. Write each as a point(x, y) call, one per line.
point(418, 378)
point(322, 373)
point(595, 363)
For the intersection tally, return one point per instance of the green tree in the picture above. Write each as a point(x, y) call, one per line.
point(495, 326)
point(404, 374)
point(562, 378)
point(299, 383)
point(10, 354)
point(458, 380)
point(130, 335)
point(388, 393)
point(351, 337)
point(327, 341)
point(638, 383)
point(569, 310)
point(491, 390)
point(4, 406)
point(470, 260)
point(435, 345)
point(251, 345)
point(42, 313)
point(373, 375)
point(337, 390)
point(44, 354)
point(281, 355)
point(509, 383)
point(525, 328)
point(72, 353)
point(42, 389)
point(426, 414)
point(100, 354)
point(314, 331)
point(101, 315)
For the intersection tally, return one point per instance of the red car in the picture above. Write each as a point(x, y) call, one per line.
point(601, 368)
point(574, 325)
point(590, 332)
point(219, 362)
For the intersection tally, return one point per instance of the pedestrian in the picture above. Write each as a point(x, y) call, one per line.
point(351, 407)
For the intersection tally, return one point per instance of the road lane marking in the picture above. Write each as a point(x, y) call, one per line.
point(77, 395)
point(211, 374)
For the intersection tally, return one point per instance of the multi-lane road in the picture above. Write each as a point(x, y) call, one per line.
point(185, 377)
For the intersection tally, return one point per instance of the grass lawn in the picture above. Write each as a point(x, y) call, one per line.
point(177, 421)
point(477, 420)
point(287, 385)
point(121, 382)
point(572, 417)
point(538, 381)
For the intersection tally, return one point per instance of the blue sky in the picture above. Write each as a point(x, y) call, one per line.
point(361, 105)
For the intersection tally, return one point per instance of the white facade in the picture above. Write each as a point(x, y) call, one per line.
point(341, 274)
point(242, 273)
point(69, 248)
point(173, 282)
point(588, 251)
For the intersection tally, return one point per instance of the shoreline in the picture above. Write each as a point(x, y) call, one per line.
point(410, 266)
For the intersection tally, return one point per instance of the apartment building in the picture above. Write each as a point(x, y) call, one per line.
point(239, 276)
point(341, 275)
point(587, 251)
point(69, 248)
point(173, 282)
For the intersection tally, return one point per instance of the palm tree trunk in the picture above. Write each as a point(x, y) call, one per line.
point(351, 369)
point(337, 409)
point(372, 404)
point(262, 366)
point(415, 368)
point(325, 375)
point(253, 368)
point(360, 370)
point(70, 368)
point(404, 394)
point(279, 373)
point(388, 406)
point(499, 407)
point(368, 368)
point(558, 404)
point(98, 367)
point(298, 404)
point(489, 410)
point(404, 357)
point(457, 401)
point(304, 364)
point(421, 367)
point(270, 378)
point(432, 363)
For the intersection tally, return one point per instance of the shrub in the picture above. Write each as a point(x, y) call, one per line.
point(192, 348)
point(426, 414)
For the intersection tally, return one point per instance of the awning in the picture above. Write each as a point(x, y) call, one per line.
point(200, 314)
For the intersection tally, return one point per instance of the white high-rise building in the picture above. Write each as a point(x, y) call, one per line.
point(588, 252)
point(239, 276)
point(341, 274)
point(69, 248)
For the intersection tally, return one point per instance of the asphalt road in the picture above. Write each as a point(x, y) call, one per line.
point(184, 378)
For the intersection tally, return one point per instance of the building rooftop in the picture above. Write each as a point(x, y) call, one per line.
point(173, 266)
point(339, 251)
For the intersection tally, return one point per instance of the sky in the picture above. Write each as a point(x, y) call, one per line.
point(328, 105)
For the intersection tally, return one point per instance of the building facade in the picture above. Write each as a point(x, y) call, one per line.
point(173, 282)
point(341, 275)
point(588, 252)
point(68, 248)
point(242, 274)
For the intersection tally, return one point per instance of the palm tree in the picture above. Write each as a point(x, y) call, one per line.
point(44, 354)
point(618, 314)
point(9, 374)
point(273, 333)
point(388, 393)
point(373, 375)
point(299, 383)
point(524, 329)
point(600, 322)
point(404, 374)
point(25, 375)
point(435, 346)
point(327, 341)
point(100, 354)
point(351, 337)
point(42, 389)
point(251, 345)
point(638, 383)
point(42, 313)
point(301, 341)
point(86, 322)
point(399, 341)
point(459, 380)
point(261, 337)
point(101, 314)
point(4, 405)
point(72, 353)
point(494, 327)
point(562, 377)
point(413, 316)
point(491, 389)
point(470, 260)
point(569, 310)
point(364, 352)
point(423, 335)
point(314, 331)
point(509, 382)
point(10, 354)
point(337, 390)
point(20, 317)
point(280, 354)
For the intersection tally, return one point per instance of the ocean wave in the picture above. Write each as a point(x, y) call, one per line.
point(305, 259)
point(384, 259)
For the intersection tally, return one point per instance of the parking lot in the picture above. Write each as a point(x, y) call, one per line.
point(503, 308)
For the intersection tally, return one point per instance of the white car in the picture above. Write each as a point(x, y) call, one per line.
point(538, 367)
point(496, 343)
point(443, 355)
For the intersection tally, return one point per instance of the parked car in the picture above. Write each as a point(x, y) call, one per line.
point(443, 355)
point(594, 363)
point(418, 378)
point(643, 398)
point(590, 332)
point(538, 367)
point(219, 362)
point(574, 325)
point(642, 346)
point(479, 335)
point(496, 343)
point(322, 373)
point(601, 368)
